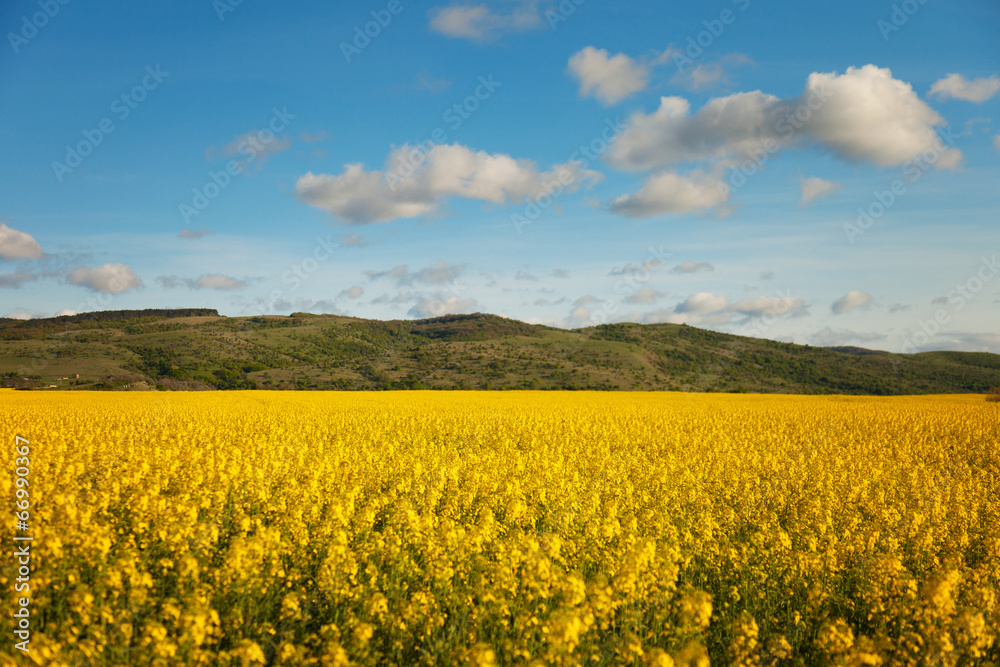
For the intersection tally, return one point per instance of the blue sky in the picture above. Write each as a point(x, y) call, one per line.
point(568, 164)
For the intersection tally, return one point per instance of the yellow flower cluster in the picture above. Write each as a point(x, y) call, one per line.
point(501, 528)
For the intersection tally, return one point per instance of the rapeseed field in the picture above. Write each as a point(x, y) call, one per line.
point(505, 528)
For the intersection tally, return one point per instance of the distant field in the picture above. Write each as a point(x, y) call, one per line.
point(518, 527)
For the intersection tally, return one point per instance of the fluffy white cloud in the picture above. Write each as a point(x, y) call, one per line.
point(440, 305)
point(608, 78)
point(16, 244)
point(701, 303)
point(814, 188)
point(862, 115)
point(672, 193)
point(480, 23)
point(850, 301)
point(416, 180)
point(109, 278)
point(974, 90)
point(687, 266)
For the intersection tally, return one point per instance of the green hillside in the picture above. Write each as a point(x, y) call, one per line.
point(198, 349)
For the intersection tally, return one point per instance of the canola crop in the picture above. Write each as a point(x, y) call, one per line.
point(506, 528)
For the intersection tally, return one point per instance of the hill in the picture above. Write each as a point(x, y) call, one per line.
point(198, 349)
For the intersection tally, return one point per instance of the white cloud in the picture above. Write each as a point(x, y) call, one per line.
point(672, 193)
point(609, 79)
point(631, 269)
point(399, 299)
point(354, 241)
point(687, 266)
point(109, 278)
point(259, 145)
point(705, 75)
point(15, 280)
point(645, 295)
point(208, 281)
point(701, 303)
point(960, 88)
point(16, 244)
point(440, 305)
point(813, 188)
point(482, 24)
point(438, 274)
point(850, 301)
point(353, 292)
point(361, 197)
point(67, 312)
point(217, 281)
point(768, 305)
point(861, 115)
point(706, 308)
